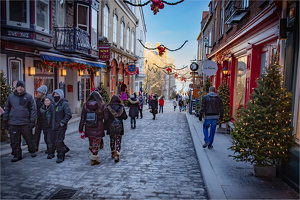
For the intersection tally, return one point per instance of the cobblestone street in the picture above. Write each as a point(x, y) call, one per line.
point(157, 161)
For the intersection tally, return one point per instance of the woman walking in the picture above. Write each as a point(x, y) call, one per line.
point(92, 120)
point(161, 104)
point(154, 105)
point(133, 104)
point(114, 114)
point(140, 106)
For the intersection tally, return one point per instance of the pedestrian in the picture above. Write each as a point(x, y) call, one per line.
point(133, 105)
point(212, 108)
point(41, 94)
point(92, 121)
point(154, 105)
point(140, 106)
point(61, 116)
point(114, 114)
point(180, 103)
point(149, 100)
point(46, 114)
point(184, 104)
point(161, 104)
point(174, 104)
point(19, 118)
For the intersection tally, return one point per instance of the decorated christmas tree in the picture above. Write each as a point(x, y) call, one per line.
point(104, 92)
point(263, 134)
point(207, 85)
point(5, 91)
point(223, 93)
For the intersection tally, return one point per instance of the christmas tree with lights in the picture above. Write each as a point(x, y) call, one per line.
point(104, 92)
point(263, 134)
point(5, 91)
point(223, 93)
point(207, 85)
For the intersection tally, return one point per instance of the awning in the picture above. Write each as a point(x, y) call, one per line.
point(62, 58)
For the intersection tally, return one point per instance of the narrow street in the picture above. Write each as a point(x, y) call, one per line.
point(157, 161)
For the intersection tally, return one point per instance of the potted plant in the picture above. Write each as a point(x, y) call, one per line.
point(263, 133)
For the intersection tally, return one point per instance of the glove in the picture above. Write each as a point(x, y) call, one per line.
point(82, 134)
point(32, 125)
point(5, 125)
point(62, 124)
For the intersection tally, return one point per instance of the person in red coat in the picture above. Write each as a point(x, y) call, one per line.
point(94, 104)
point(161, 104)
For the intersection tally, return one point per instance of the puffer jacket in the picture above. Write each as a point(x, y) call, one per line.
point(92, 107)
point(133, 105)
point(212, 106)
point(61, 111)
point(154, 103)
point(46, 116)
point(39, 103)
point(109, 118)
point(20, 109)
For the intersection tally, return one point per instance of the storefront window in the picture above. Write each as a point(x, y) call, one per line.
point(264, 62)
point(15, 72)
point(43, 80)
point(239, 95)
point(86, 83)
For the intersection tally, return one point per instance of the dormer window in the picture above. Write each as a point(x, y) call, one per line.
point(18, 13)
point(42, 15)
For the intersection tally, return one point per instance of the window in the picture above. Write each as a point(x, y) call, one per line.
point(60, 13)
point(94, 35)
point(15, 71)
point(115, 29)
point(222, 18)
point(263, 62)
point(132, 42)
point(18, 13)
point(215, 23)
point(105, 23)
point(127, 42)
point(83, 17)
point(42, 15)
point(122, 35)
point(245, 3)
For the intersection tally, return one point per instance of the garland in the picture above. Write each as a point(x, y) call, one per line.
point(155, 5)
point(161, 48)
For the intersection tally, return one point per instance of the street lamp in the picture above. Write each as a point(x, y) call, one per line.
point(225, 71)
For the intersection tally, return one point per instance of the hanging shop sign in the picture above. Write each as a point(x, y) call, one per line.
point(131, 69)
point(194, 66)
point(210, 68)
point(104, 53)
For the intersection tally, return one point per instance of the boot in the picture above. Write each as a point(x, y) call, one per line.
point(113, 154)
point(95, 162)
point(117, 158)
point(134, 126)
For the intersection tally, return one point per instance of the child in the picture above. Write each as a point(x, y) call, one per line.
point(61, 115)
point(174, 104)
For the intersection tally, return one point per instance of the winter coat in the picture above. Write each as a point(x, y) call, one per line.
point(46, 116)
point(174, 103)
point(154, 104)
point(141, 102)
point(133, 104)
point(20, 109)
point(92, 107)
point(39, 103)
point(62, 112)
point(109, 118)
point(161, 102)
point(211, 106)
point(180, 102)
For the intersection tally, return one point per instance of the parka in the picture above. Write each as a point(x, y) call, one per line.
point(109, 118)
point(133, 104)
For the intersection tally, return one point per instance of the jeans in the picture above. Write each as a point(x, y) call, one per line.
point(213, 125)
point(132, 120)
point(161, 108)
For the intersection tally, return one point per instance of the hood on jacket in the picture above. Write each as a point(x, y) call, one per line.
point(212, 94)
point(60, 92)
point(133, 100)
point(92, 105)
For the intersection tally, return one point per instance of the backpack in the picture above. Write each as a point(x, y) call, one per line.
point(91, 120)
point(116, 126)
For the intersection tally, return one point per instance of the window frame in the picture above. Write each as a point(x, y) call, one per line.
point(39, 28)
point(63, 14)
point(88, 18)
point(115, 29)
point(20, 61)
point(132, 41)
point(94, 45)
point(15, 23)
point(127, 38)
point(122, 34)
point(105, 21)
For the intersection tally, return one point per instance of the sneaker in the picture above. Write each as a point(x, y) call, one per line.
point(210, 147)
point(59, 160)
point(33, 154)
point(15, 159)
point(205, 145)
point(50, 156)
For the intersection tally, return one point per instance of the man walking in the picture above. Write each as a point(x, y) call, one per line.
point(212, 107)
point(19, 118)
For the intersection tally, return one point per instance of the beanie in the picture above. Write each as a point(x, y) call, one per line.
point(20, 83)
point(43, 89)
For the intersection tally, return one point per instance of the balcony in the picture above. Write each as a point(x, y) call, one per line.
point(235, 11)
point(72, 40)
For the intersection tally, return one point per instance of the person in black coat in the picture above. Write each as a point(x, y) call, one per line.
point(133, 104)
point(154, 105)
point(115, 110)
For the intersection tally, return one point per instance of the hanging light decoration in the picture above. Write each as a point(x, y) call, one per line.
point(169, 70)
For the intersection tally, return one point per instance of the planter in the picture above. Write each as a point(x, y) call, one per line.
point(264, 171)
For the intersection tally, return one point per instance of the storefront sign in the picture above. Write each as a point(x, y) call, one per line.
point(210, 68)
point(131, 69)
point(104, 53)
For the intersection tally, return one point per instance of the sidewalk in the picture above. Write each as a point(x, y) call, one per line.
point(228, 179)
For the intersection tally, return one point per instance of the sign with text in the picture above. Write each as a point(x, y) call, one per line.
point(104, 53)
point(210, 68)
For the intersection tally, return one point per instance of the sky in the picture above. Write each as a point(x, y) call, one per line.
point(175, 24)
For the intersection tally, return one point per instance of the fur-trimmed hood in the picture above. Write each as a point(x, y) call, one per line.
point(133, 100)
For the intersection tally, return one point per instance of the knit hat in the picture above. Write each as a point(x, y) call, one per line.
point(43, 89)
point(20, 83)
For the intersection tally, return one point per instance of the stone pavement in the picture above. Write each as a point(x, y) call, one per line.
point(158, 161)
point(228, 179)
